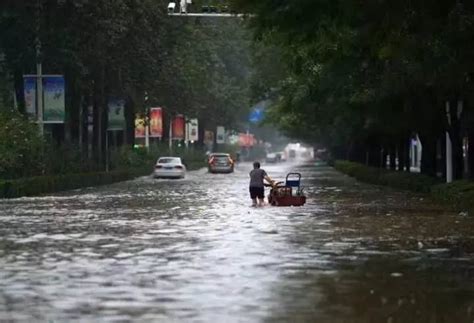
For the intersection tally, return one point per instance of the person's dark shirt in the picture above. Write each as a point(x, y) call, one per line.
point(256, 177)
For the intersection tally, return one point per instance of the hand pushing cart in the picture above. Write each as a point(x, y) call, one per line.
point(288, 193)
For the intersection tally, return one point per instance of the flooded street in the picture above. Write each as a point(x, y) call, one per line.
point(194, 250)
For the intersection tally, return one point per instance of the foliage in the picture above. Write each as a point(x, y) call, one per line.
point(205, 72)
point(459, 193)
point(400, 180)
point(21, 148)
point(132, 49)
point(33, 186)
point(362, 75)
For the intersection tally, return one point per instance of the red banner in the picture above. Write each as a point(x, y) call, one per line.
point(156, 122)
point(139, 127)
point(246, 140)
point(178, 127)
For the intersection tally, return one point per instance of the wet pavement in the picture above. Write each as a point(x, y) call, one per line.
point(194, 250)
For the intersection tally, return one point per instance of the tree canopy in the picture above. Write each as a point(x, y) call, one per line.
point(132, 49)
point(369, 74)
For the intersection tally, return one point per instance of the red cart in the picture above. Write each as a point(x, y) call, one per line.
point(288, 193)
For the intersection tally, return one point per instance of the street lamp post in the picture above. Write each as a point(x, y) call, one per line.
point(147, 129)
point(170, 135)
point(147, 123)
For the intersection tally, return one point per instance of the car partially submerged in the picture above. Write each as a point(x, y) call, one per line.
point(169, 167)
point(220, 163)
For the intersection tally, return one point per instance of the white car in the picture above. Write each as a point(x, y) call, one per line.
point(169, 167)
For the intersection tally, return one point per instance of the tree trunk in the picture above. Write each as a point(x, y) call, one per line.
point(129, 134)
point(470, 153)
point(458, 165)
point(374, 154)
point(357, 153)
point(456, 140)
point(428, 157)
point(393, 156)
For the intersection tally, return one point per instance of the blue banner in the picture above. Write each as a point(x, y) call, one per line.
point(116, 114)
point(54, 99)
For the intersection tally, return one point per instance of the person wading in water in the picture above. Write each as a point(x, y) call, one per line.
point(256, 187)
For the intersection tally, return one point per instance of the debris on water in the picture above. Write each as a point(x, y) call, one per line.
point(396, 274)
point(268, 231)
point(438, 250)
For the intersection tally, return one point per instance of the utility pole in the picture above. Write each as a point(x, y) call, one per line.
point(39, 70)
point(147, 123)
point(171, 135)
point(147, 130)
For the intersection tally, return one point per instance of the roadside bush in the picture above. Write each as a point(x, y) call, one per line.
point(33, 186)
point(359, 171)
point(459, 193)
point(408, 181)
point(126, 157)
point(21, 148)
point(400, 180)
point(66, 159)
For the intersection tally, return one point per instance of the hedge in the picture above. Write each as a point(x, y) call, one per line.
point(39, 185)
point(33, 186)
point(459, 194)
point(379, 176)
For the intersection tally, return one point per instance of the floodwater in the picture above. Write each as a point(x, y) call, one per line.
point(194, 250)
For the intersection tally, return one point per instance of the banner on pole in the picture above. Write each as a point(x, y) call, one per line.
point(29, 91)
point(193, 130)
point(116, 114)
point(208, 137)
point(156, 122)
point(54, 110)
point(246, 140)
point(140, 126)
point(178, 127)
point(220, 135)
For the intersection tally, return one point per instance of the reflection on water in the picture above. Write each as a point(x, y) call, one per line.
point(193, 250)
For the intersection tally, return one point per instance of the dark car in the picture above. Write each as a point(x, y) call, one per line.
point(271, 158)
point(220, 163)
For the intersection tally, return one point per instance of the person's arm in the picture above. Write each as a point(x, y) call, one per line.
point(268, 179)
